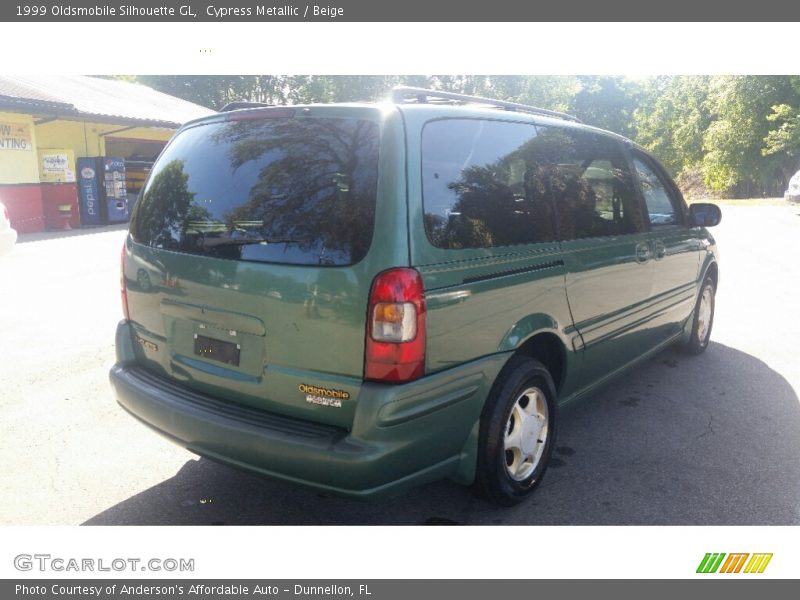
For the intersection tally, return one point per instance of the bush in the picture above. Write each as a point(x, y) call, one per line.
point(691, 183)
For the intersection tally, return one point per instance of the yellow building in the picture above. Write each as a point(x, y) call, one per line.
point(48, 123)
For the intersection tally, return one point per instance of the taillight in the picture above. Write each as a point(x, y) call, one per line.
point(395, 345)
point(122, 286)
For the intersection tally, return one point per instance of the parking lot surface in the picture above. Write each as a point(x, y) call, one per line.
point(708, 440)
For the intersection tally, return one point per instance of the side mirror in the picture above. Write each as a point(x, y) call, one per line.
point(704, 215)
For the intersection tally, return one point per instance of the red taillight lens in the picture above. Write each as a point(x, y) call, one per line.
point(395, 345)
point(122, 286)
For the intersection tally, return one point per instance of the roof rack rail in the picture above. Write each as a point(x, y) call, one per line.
point(236, 105)
point(401, 94)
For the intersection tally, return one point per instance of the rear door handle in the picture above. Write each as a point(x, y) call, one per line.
point(642, 252)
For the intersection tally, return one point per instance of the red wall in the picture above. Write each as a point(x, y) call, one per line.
point(54, 194)
point(24, 204)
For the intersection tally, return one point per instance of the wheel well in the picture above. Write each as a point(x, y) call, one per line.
point(713, 272)
point(548, 350)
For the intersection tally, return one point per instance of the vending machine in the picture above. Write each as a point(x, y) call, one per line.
point(102, 191)
point(115, 188)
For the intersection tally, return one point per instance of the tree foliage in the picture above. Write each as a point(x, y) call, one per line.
point(672, 118)
point(731, 129)
point(735, 140)
point(727, 129)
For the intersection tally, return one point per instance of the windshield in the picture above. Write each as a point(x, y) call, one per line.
point(290, 190)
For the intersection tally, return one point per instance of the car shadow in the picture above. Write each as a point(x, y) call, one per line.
point(707, 440)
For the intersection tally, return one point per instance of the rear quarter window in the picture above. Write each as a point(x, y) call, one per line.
point(477, 186)
point(496, 183)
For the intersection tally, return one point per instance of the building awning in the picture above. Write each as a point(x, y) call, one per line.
point(78, 97)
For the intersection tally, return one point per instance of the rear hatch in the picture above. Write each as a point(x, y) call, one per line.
point(249, 261)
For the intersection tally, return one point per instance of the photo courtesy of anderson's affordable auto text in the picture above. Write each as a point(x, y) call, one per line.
point(196, 590)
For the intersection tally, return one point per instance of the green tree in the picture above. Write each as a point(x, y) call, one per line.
point(212, 91)
point(783, 139)
point(672, 118)
point(730, 129)
point(736, 140)
point(607, 102)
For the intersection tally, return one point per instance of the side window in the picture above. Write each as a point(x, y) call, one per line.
point(590, 184)
point(659, 205)
point(480, 187)
point(495, 183)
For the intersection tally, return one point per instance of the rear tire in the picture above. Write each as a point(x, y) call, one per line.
point(517, 432)
point(703, 318)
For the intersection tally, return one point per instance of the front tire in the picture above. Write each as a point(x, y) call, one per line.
point(517, 432)
point(703, 318)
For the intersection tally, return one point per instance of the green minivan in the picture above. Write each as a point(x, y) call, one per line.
point(364, 297)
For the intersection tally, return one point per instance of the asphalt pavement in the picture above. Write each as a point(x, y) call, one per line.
point(707, 440)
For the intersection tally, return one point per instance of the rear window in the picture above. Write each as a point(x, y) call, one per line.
point(286, 190)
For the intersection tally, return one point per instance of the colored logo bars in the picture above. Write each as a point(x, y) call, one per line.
point(733, 563)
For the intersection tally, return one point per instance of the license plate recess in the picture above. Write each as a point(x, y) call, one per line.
point(209, 348)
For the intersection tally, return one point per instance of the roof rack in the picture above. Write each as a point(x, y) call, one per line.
point(401, 94)
point(236, 105)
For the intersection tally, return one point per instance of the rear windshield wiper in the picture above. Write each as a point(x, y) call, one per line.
point(217, 242)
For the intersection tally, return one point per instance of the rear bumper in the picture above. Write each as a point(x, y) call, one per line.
point(401, 435)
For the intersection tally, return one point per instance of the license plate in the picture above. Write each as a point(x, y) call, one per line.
point(224, 352)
